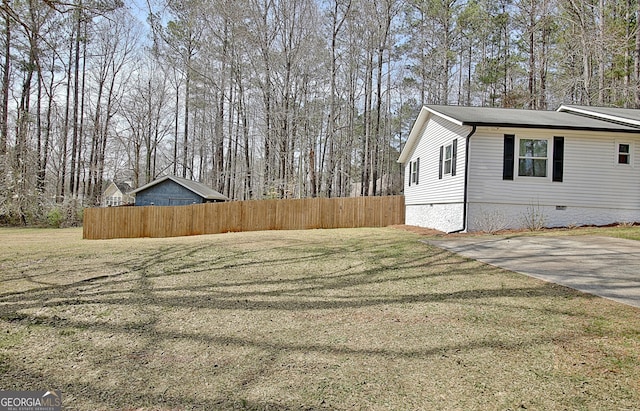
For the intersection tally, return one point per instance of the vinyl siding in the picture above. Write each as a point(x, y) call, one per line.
point(430, 189)
point(111, 191)
point(167, 193)
point(592, 178)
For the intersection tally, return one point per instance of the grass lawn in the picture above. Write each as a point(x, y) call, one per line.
point(367, 319)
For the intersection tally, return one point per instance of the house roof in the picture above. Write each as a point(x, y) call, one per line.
point(123, 187)
point(626, 116)
point(200, 189)
point(508, 117)
point(518, 118)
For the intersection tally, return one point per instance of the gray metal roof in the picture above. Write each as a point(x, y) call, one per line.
point(200, 189)
point(508, 117)
point(628, 116)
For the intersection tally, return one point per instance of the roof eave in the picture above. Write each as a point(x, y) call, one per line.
point(552, 127)
point(200, 193)
point(596, 114)
point(179, 182)
point(446, 117)
point(414, 135)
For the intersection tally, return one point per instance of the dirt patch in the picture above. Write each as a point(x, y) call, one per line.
point(430, 232)
point(418, 230)
point(615, 230)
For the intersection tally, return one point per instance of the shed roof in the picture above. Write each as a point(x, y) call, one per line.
point(200, 189)
point(509, 117)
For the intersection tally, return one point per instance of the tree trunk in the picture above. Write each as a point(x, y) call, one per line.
point(4, 112)
point(148, 135)
point(627, 55)
point(80, 167)
point(175, 130)
point(76, 100)
point(601, 55)
point(185, 138)
point(366, 120)
point(42, 172)
point(65, 127)
point(637, 61)
point(532, 103)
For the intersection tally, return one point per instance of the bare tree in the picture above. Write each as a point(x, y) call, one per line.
point(114, 47)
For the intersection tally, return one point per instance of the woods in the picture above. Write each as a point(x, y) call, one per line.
point(275, 98)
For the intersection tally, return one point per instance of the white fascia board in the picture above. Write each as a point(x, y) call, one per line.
point(596, 114)
point(448, 118)
point(414, 135)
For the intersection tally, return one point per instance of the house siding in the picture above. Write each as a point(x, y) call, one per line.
point(436, 202)
point(167, 193)
point(595, 189)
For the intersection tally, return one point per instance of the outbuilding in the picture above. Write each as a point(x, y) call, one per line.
point(485, 169)
point(175, 191)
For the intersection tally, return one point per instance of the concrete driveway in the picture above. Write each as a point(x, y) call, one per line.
point(604, 266)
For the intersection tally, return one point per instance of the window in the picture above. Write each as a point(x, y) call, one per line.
point(532, 158)
point(113, 201)
point(414, 171)
point(624, 153)
point(448, 157)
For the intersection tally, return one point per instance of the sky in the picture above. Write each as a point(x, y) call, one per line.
point(140, 9)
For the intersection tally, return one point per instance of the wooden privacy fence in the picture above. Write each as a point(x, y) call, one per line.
point(255, 215)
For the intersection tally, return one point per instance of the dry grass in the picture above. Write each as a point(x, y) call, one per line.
point(366, 319)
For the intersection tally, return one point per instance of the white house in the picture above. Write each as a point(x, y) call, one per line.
point(117, 194)
point(484, 169)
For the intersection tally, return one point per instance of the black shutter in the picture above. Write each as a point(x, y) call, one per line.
point(410, 174)
point(508, 160)
point(558, 158)
point(441, 158)
point(417, 170)
point(454, 156)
